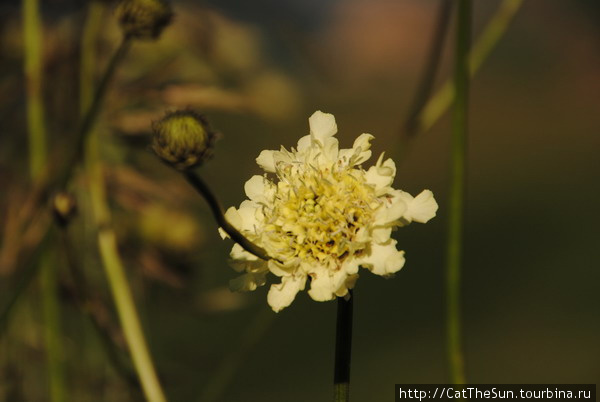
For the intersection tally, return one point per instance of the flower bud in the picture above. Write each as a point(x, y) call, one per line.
point(64, 207)
point(143, 19)
point(183, 139)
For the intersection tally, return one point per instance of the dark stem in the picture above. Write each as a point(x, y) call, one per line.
point(219, 215)
point(343, 349)
point(433, 60)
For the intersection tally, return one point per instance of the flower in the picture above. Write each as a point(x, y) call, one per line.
point(183, 139)
point(143, 19)
point(322, 217)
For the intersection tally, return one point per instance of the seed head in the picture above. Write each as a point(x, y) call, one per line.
point(143, 19)
point(183, 139)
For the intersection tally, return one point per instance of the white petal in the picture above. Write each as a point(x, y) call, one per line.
point(259, 189)
point(329, 151)
point(247, 282)
point(238, 253)
point(421, 208)
point(381, 175)
point(282, 294)
point(391, 210)
point(249, 211)
point(304, 143)
point(348, 284)
point(384, 259)
point(324, 286)
point(322, 125)
point(381, 234)
point(265, 160)
point(234, 218)
point(361, 149)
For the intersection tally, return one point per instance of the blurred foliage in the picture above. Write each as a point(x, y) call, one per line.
point(531, 280)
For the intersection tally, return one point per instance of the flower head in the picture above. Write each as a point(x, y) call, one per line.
point(143, 19)
point(322, 217)
point(183, 139)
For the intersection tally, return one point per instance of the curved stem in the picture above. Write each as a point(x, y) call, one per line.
point(492, 33)
point(457, 191)
point(343, 348)
point(128, 315)
point(431, 67)
point(219, 215)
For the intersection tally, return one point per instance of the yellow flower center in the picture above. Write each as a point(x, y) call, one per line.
point(317, 214)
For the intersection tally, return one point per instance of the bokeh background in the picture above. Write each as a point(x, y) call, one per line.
point(257, 70)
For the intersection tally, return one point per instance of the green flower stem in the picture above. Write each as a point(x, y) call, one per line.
point(432, 65)
point(95, 311)
point(107, 241)
point(128, 315)
point(492, 33)
point(92, 112)
point(219, 215)
point(457, 190)
point(32, 36)
point(343, 349)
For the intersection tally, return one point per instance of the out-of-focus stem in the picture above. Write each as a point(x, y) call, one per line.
point(457, 191)
point(431, 66)
point(52, 332)
point(492, 33)
point(32, 35)
point(107, 241)
point(128, 315)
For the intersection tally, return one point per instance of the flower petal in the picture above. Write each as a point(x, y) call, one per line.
point(247, 282)
point(322, 125)
point(324, 285)
point(381, 175)
point(283, 294)
point(266, 161)
point(420, 208)
point(384, 259)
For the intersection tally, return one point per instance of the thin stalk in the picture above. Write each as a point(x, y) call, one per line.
point(30, 269)
point(32, 35)
point(343, 349)
point(96, 312)
point(52, 332)
point(431, 66)
point(128, 316)
point(457, 191)
point(92, 112)
point(219, 215)
point(107, 241)
point(487, 41)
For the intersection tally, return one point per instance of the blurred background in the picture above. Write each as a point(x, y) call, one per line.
point(531, 277)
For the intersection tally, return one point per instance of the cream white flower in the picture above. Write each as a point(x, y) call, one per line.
point(322, 217)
